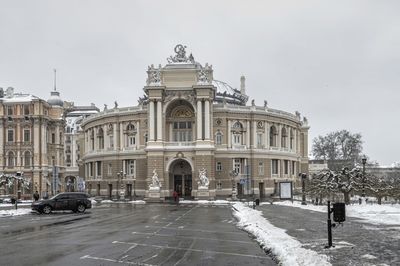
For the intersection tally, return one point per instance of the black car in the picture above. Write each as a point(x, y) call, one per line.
point(74, 201)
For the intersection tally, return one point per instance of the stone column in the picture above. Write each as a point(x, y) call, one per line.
point(121, 136)
point(266, 139)
point(151, 121)
point(159, 121)
point(248, 134)
point(255, 135)
point(115, 135)
point(106, 139)
point(229, 134)
point(138, 135)
point(95, 139)
point(207, 119)
point(199, 121)
point(279, 143)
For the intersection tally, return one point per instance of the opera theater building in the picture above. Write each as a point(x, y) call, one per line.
point(194, 135)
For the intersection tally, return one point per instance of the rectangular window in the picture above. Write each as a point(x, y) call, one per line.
point(68, 160)
point(219, 167)
point(98, 169)
point(10, 110)
point(237, 139)
point(130, 167)
point(259, 141)
point(109, 169)
point(111, 141)
point(274, 166)
point(260, 168)
point(237, 166)
point(218, 138)
point(10, 135)
point(286, 167)
point(131, 141)
point(293, 167)
point(90, 170)
point(53, 138)
point(26, 109)
point(27, 135)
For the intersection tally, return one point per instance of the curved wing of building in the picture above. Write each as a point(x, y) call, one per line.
point(193, 135)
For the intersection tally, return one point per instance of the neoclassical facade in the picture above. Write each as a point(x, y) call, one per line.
point(188, 123)
point(32, 141)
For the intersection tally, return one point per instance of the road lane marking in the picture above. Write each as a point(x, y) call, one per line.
point(190, 237)
point(194, 230)
point(192, 249)
point(115, 261)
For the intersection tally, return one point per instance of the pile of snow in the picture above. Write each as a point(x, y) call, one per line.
point(131, 202)
point(211, 202)
point(375, 214)
point(285, 248)
point(14, 212)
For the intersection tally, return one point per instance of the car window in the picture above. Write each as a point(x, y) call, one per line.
point(60, 197)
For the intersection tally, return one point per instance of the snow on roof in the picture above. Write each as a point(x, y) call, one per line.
point(20, 97)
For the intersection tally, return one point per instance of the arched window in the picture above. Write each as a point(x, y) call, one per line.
point(130, 127)
point(283, 137)
point(27, 159)
point(237, 131)
point(130, 135)
point(272, 136)
point(11, 159)
point(92, 139)
point(100, 136)
point(291, 138)
point(218, 138)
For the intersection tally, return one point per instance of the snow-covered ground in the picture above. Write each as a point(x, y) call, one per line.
point(14, 212)
point(127, 202)
point(211, 202)
point(370, 213)
point(287, 249)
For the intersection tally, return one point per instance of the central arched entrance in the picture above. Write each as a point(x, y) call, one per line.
point(181, 178)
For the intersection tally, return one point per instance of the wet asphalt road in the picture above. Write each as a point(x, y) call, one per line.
point(124, 234)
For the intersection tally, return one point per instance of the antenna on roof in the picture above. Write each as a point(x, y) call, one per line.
point(55, 79)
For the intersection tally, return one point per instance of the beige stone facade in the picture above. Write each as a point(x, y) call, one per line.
point(187, 122)
point(31, 141)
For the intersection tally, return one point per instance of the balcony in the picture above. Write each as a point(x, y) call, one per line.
point(179, 144)
point(239, 147)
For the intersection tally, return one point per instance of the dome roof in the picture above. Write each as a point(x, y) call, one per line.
point(226, 93)
point(55, 99)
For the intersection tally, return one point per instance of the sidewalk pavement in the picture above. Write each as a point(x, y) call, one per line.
point(356, 243)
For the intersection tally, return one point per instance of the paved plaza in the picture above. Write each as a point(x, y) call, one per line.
point(125, 234)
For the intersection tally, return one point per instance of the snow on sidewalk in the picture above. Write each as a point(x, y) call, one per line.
point(285, 248)
point(374, 214)
point(13, 212)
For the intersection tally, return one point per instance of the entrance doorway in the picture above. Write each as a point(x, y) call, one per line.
point(183, 185)
point(181, 175)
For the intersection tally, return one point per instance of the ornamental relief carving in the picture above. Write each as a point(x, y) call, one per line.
point(182, 112)
point(186, 95)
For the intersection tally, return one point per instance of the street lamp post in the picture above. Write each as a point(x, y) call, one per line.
point(134, 188)
point(364, 161)
point(118, 181)
point(303, 188)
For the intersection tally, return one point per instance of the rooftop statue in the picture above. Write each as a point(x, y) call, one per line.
point(180, 56)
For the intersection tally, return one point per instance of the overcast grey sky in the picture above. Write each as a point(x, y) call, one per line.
point(336, 62)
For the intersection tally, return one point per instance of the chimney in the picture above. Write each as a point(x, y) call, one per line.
point(242, 85)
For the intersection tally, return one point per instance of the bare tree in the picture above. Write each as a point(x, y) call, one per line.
point(329, 182)
point(340, 146)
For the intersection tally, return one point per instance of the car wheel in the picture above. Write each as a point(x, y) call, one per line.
point(46, 209)
point(81, 208)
